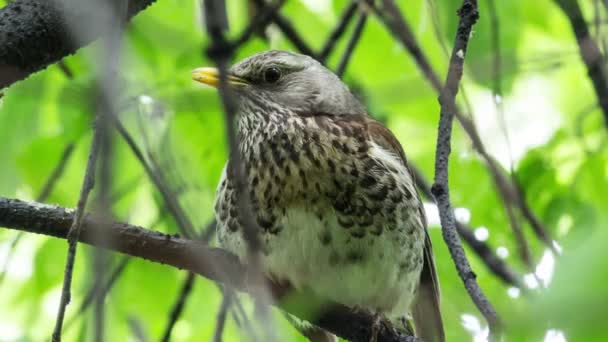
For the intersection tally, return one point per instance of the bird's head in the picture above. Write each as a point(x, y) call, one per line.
point(280, 82)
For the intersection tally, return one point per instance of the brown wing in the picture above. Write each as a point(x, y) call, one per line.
point(426, 312)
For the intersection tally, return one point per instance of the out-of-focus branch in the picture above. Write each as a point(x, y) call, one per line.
point(338, 31)
point(157, 177)
point(222, 314)
point(589, 51)
point(212, 263)
point(522, 244)
point(469, 14)
point(352, 43)
point(56, 173)
point(221, 51)
point(179, 305)
point(99, 289)
point(288, 29)
point(74, 232)
point(260, 21)
point(47, 188)
point(390, 15)
point(35, 33)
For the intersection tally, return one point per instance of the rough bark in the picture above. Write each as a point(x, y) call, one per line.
point(37, 33)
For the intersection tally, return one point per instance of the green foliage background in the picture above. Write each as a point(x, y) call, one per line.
point(549, 105)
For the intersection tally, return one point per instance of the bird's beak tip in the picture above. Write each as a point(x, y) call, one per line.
point(206, 75)
point(211, 76)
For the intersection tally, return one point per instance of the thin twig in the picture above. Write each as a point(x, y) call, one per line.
point(523, 248)
point(179, 306)
point(180, 303)
point(288, 30)
point(101, 289)
point(137, 329)
point(240, 317)
point(209, 231)
point(522, 244)
point(261, 20)
point(589, 51)
point(47, 188)
point(74, 232)
point(155, 174)
point(338, 31)
point(222, 314)
point(65, 69)
point(220, 52)
point(468, 16)
point(497, 76)
point(106, 94)
point(217, 25)
point(352, 43)
point(49, 185)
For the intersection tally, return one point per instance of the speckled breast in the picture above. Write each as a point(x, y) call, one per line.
point(336, 211)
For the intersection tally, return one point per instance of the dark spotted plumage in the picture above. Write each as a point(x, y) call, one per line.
point(334, 201)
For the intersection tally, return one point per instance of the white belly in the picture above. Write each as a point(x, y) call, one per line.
point(357, 272)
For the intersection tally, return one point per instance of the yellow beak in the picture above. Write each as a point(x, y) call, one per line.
point(211, 76)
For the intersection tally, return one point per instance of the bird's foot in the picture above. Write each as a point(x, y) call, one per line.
point(377, 318)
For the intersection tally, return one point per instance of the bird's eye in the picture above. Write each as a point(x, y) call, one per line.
point(272, 74)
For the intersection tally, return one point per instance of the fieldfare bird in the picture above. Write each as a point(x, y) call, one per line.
point(336, 206)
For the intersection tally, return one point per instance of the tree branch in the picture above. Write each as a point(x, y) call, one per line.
point(288, 29)
point(338, 31)
point(212, 263)
point(35, 33)
point(74, 231)
point(468, 17)
point(352, 42)
point(390, 15)
point(590, 52)
point(179, 305)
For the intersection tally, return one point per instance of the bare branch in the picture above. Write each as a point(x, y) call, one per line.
point(390, 15)
point(352, 43)
point(155, 174)
point(186, 289)
point(101, 289)
point(288, 30)
point(107, 81)
point(56, 173)
point(220, 52)
point(48, 187)
point(468, 17)
point(179, 305)
point(74, 232)
point(212, 263)
point(338, 31)
point(222, 314)
point(261, 20)
point(589, 51)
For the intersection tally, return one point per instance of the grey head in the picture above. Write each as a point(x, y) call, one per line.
point(292, 82)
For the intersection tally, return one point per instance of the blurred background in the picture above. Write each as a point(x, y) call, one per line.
point(525, 88)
